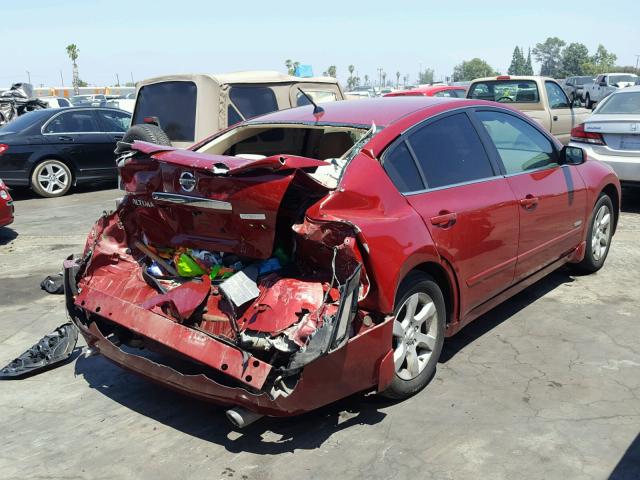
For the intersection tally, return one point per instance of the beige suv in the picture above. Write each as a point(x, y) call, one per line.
point(193, 106)
point(542, 98)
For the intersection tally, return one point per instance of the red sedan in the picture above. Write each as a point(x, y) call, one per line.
point(434, 91)
point(309, 254)
point(6, 206)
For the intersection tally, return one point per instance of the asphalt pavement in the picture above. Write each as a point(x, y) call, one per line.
point(546, 385)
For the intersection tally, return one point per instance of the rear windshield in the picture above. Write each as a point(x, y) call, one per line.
point(20, 123)
point(621, 103)
point(583, 80)
point(253, 101)
point(174, 103)
point(505, 91)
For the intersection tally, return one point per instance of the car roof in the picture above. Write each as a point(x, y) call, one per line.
point(635, 88)
point(381, 111)
point(258, 76)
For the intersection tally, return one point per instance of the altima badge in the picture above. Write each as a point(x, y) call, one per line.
point(187, 181)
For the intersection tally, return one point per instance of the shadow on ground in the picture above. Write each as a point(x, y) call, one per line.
point(7, 235)
point(631, 200)
point(24, 193)
point(628, 468)
point(278, 435)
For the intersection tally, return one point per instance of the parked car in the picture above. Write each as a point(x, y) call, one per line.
point(539, 97)
point(574, 87)
point(6, 205)
point(612, 134)
point(97, 100)
point(56, 102)
point(358, 94)
point(50, 150)
point(431, 91)
point(192, 107)
point(342, 247)
point(606, 84)
point(125, 104)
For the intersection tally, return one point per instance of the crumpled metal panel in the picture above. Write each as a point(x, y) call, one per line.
point(183, 300)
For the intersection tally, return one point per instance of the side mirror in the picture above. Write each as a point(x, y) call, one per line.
point(572, 156)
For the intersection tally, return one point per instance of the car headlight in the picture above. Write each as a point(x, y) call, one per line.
point(3, 194)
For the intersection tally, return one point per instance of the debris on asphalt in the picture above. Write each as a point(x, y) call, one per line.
point(50, 351)
point(53, 284)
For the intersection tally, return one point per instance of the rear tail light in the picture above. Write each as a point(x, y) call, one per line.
point(579, 135)
point(3, 148)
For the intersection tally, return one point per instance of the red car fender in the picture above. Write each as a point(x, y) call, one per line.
point(597, 177)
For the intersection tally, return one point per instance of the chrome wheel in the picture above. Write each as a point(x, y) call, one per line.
point(415, 331)
point(601, 233)
point(52, 178)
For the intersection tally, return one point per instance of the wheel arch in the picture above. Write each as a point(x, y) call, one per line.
point(612, 192)
point(446, 279)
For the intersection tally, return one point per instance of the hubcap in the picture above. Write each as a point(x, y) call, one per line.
point(53, 178)
point(601, 232)
point(415, 331)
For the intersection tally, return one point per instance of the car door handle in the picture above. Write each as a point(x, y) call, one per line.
point(529, 201)
point(64, 138)
point(555, 118)
point(444, 219)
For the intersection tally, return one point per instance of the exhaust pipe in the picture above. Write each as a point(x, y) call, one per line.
point(241, 417)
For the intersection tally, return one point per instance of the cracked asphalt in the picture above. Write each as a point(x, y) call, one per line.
point(545, 386)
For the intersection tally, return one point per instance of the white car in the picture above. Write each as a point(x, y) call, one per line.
point(56, 102)
point(612, 134)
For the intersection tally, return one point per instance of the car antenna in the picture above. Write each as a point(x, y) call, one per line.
point(316, 108)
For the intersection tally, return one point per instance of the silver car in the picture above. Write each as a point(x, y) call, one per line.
point(612, 134)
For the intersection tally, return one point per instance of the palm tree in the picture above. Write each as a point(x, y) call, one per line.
point(366, 79)
point(384, 79)
point(397, 79)
point(73, 51)
point(350, 82)
point(289, 64)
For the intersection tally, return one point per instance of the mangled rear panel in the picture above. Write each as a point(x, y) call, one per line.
point(230, 274)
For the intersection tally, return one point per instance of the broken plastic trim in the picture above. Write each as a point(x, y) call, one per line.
point(51, 350)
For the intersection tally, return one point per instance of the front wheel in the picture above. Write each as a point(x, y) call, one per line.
point(599, 236)
point(418, 334)
point(587, 102)
point(51, 178)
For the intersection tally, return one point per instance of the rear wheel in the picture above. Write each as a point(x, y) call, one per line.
point(418, 334)
point(599, 236)
point(51, 178)
point(587, 101)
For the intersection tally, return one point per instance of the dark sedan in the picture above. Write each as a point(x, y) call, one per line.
point(51, 150)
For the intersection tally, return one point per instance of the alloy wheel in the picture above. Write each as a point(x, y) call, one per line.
point(601, 232)
point(53, 178)
point(415, 331)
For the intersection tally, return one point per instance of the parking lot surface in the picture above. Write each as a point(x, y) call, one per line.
point(545, 386)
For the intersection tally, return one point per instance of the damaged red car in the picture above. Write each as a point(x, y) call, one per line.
point(312, 253)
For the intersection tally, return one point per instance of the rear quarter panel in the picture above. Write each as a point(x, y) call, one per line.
point(597, 176)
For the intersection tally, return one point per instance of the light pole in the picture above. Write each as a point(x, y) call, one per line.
point(637, 58)
point(29, 76)
point(61, 79)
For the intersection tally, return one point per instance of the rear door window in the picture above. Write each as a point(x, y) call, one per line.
point(449, 151)
point(521, 146)
point(556, 96)
point(113, 121)
point(401, 168)
point(82, 121)
point(174, 103)
point(253, 101)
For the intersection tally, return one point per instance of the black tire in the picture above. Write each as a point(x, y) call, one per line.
point(144, 132)
point(595, 255)
point(418, 283)
point(587, 102)
point(51, 178)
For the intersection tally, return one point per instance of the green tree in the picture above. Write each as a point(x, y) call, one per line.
point(366, 79)
point(82, 83)
point(549, 55)
point(518, 62)
point(291, 66)
point(425, 77)
point(471, 69)
point(351, 80)
point(528, 67)
point(384, 79)
point(601, 62)
point(574, 56)
point(73, 51)
point(332, 71)
point(398, 79)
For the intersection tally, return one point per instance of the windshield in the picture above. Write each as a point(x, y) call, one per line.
point(583, 80)
point(613, 79)
point(505, 91)
point(624, 103)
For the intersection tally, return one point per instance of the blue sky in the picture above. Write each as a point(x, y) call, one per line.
point(148, 38)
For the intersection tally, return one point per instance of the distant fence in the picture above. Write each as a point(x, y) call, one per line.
point(68, 91)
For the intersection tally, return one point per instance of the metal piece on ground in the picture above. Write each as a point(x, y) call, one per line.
point(51, 350)
point(241, 417)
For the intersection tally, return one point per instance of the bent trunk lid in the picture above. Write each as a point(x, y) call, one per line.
point(180, 198)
